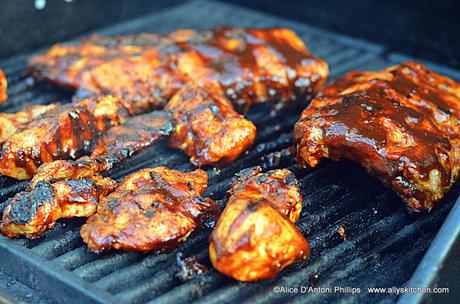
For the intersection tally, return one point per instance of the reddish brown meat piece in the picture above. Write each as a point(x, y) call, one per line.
point(205, 126)
point(32, 213)
point(152, 209)
point(208, 128)
point(245, 65)
point(10, 123)
point(255, 237)
point(402, 124)
point(3, 86)
point(66, 133)
point(112, 147)
point(78, 186)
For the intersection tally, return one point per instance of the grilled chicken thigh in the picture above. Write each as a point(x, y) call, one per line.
point(152, 209)
point(208, 128)
point(129, 67)
point(402, 124)
point(116, 144)
point(68, 132)
point(244, 65)
point(77, 186)
point(3, 86)
point(32, 213)
point(255, 237)
point(11, 123)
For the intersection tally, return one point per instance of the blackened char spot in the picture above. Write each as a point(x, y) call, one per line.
point(24, 205)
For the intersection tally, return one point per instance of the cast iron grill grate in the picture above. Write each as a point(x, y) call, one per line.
point(383, 245)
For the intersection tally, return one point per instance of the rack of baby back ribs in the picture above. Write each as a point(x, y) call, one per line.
point(189, 88)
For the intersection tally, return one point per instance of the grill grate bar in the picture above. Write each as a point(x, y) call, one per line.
point(64, 242)
point(195, 288)
point(105, 265)
point(354, 63)
point(339, 57)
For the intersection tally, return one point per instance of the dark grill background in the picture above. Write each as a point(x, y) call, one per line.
point(383, 245)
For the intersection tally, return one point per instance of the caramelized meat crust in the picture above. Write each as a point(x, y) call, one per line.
point(208, 129)
point(77, 186)
point(402, 124)
point(3, 86)
point(66, 133)
point(32, 213)
point(11, 123)
point(116, 144)
point(152, 209)
point(65, 64)
point(250, 65)
point(244, 65)
point(255, 237)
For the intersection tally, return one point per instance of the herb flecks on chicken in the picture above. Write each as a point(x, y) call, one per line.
point(402, 124)
point(255, 237)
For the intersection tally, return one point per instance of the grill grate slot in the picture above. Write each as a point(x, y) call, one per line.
point(383, 242)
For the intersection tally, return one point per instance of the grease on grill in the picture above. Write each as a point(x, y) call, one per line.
point(189, 267)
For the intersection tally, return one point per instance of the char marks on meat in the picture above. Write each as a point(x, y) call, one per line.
point(402, 124)
point(245, 65)
point(30, 213)
point(65, 133)
point(208, 128)
point(255, 237)
point(152, 209)
point(116, 144)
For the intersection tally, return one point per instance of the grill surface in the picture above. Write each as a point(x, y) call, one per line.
point(383, 245)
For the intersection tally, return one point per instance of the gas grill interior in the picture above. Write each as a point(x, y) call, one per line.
point(383, 243)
